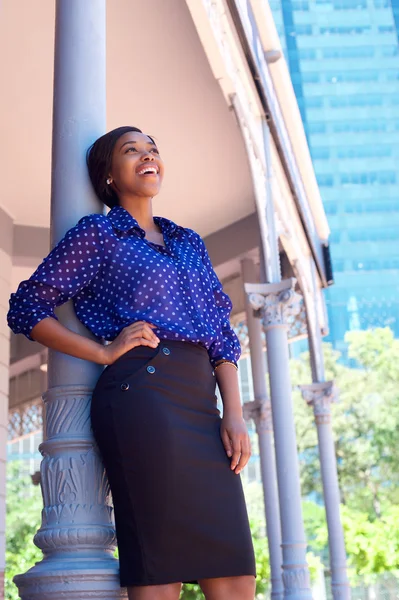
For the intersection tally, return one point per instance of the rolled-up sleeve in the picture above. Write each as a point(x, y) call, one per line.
point(230, 350)
point(69, 267)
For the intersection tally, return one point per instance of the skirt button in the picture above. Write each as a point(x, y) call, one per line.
point(166, 351)
point(151, 369)
point(124, 387)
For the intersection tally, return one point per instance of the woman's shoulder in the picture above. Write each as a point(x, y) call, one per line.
point(94, 218)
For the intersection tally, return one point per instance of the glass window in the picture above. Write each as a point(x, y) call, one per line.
point(381, 177)
point(338, 266)
point(310, 77)
point(386, 29)
point(314, 102)
point(382, 3)
point(358, 126)
point(325, 179)
point(318, 127)
point(349, 4)
point(371, 206)
point(299, 29)
point(320, 153)
point(345, 30)
point(330, 208)
point(335, 236)
point(299, 5)
point(358, 100)
point(355, 52)
point(390, 50)
point(364, 151)
point(303, 53)
point(373, 235)
point(392, 75)
point(350, 76)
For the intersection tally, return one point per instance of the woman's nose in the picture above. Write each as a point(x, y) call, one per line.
point(147, 156)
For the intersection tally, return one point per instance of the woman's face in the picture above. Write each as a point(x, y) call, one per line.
point(137, 168)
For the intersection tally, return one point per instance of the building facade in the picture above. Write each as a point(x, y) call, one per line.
point(343, 57)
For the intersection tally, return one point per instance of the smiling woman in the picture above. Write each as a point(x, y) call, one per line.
point(107, 155)
point(147, 286)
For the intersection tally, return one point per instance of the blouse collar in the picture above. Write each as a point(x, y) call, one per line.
point(122, 220)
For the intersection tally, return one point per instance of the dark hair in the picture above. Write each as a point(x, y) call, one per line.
point(99, 159)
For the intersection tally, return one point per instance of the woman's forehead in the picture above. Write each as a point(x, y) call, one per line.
point(134, 136)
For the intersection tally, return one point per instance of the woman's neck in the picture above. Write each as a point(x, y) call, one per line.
point(141, 210)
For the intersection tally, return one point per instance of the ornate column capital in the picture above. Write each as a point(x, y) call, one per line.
point(320, 396)
point(277, 304)
point(260, 410)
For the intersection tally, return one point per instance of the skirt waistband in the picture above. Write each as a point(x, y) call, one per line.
point(174, 344)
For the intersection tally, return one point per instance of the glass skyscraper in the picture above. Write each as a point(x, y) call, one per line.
point(343, 57)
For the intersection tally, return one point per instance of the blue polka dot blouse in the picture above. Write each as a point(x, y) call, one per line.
point(115, 277)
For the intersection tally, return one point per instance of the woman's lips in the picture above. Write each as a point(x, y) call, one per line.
point(148, 170)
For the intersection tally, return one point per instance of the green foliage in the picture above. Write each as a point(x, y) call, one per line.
point(364, 422)
point(24, 504)
point(366, 434)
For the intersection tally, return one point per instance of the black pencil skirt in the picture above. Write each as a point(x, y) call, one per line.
point(180, 513)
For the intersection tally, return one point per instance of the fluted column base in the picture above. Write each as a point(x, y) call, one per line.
point(77, 534)
point(74, 578)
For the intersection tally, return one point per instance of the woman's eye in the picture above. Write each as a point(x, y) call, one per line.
point(131, 148)
point(155, 150)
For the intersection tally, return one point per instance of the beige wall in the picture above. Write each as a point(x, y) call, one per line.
point(6, 227)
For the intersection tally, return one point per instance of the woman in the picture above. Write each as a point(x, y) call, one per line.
point(147, 286)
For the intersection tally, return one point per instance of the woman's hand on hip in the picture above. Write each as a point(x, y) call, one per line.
point(235, 438)
point(136, 334)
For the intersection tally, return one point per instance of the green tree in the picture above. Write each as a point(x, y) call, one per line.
point(366, 435)
point(24, 503)
point(364, 422)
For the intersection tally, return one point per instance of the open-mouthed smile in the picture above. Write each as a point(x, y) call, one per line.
point(148, 170)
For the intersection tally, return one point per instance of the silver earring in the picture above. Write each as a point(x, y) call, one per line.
point(109, 181)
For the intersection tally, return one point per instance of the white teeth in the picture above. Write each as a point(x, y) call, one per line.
point(148, 170)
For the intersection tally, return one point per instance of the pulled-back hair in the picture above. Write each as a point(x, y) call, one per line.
point(99, 159)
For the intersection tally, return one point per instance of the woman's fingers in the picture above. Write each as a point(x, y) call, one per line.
point(241, 452)
point(236, 453)
point(245, 454)
point(142, 330)
point(227, 443)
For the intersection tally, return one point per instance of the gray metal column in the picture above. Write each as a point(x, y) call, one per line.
point(260, 411)
point(77, 536)
point(319, 396)
point(6, 247)
point(276, 304)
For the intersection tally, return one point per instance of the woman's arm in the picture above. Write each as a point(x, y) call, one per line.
point(71, 265)
point(233, 429)
point(54, 335)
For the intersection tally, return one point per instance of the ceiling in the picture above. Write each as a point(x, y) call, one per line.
point(158, 78)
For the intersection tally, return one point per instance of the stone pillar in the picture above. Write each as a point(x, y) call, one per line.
point(260, 411)
point(276, 304)
point(77, 535)
point(320, 396)
point(6, 236)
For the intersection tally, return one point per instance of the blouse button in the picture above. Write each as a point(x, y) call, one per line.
point(166, 351)
point(124, 387)
point(151, 369)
